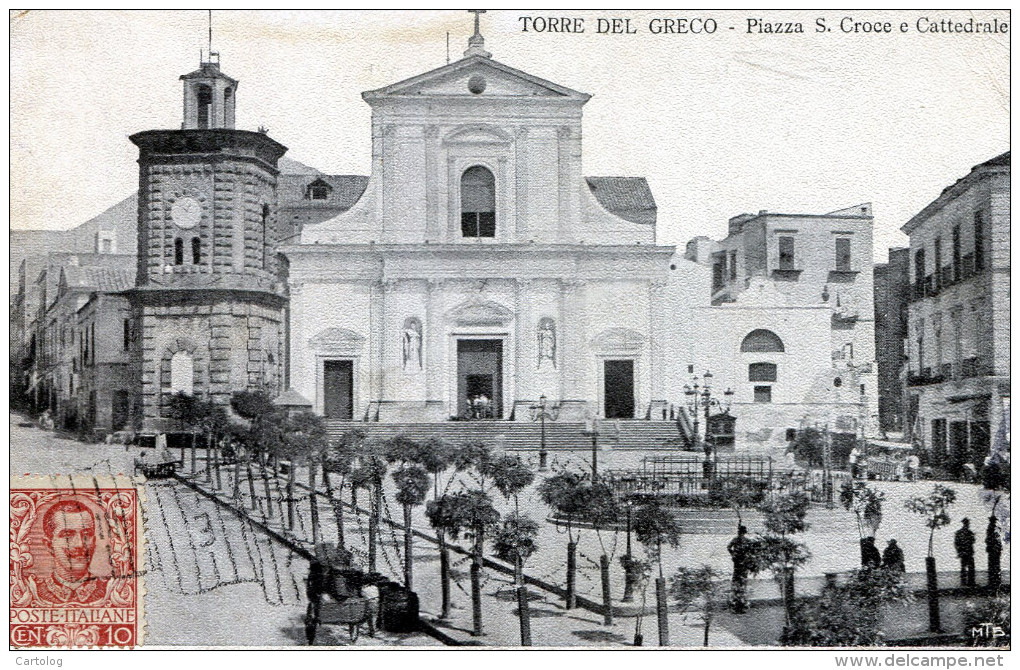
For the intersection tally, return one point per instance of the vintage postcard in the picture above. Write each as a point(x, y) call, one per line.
point(586, 329)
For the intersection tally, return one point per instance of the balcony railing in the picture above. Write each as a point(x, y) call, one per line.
point(924, 379)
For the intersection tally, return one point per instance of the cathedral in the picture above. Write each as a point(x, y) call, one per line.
point(481, 270)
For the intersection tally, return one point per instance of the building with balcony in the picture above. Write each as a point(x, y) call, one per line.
point(958, 317)
point(792, 321)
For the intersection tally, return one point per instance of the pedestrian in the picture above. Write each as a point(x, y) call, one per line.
point(870, 556)
point(913, 464)
point(852, 459)
point(740, 551)
point(964, 543)
point(892, 557)
point(993, 545)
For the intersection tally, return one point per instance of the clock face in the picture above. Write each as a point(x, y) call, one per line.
point(186, 212)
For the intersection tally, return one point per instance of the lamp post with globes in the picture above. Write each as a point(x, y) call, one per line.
point(541, 411)
point(699, 398)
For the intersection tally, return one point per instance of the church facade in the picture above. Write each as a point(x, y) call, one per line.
point(480, 270)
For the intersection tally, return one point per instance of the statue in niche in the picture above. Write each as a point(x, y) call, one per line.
point(411, 340)
point(546, 341)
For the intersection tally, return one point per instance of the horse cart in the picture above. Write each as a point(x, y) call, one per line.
point(341, 596)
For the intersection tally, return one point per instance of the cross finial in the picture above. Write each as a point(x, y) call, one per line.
point(476, 43)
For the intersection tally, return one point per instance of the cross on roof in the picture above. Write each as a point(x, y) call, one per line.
point(476, 43)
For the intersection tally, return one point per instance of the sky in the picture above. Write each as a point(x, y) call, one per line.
point(719, 123)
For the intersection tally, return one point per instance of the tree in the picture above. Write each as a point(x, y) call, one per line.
point(565, 494)
point(515, 542)
point(510, 475)
point(369, 474)
point(182, 407)
point(689, 585)
point(436, 456)
point(809, 447)
point(304, 442)
point(263, 433)
point(866, 504)
point(847, 615)
point(412, 486)
point(470, 512)
point(934, 508)
point(655, 526)
point(738, 493)
point(776, 550)
point(338, 459)
point(602, 512)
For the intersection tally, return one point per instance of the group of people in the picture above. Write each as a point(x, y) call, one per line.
point(479, 407)
point(891, 558)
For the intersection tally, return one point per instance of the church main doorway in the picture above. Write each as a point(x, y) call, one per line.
point(338, 390)
point(480, 379)
point(618, 387)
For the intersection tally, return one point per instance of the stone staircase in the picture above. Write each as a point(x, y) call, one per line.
point(520, 436)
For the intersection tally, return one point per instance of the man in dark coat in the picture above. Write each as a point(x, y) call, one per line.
point(892, 557)
point(740, 550)
point(993, 545)
point(964, 543)
point(870, 556)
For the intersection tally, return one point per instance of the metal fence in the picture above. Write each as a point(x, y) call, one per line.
point(691, 479)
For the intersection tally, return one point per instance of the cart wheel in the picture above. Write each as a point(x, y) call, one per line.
point(311, 623)
point(354, 630)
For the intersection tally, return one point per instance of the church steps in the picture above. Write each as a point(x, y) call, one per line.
point(512, 435)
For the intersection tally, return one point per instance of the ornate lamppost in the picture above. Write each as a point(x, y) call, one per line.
point(541, 411)
point(699, 398)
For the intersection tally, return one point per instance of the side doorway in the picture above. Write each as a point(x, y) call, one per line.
point(338, 389)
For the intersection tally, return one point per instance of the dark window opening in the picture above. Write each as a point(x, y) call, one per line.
point(733, 265)
point(919, 267)
point(478, 203)
point(196, 250)
point(843, 255)
point(204, 106)
point(761, 372)
point(318, 190)
point(127, 334)
point(265, 228)
point(763, 394)
point(979, 241)
point(956, 254)
point(938, 261)
point(718, 273)
point(786, 258)
point(178, 251)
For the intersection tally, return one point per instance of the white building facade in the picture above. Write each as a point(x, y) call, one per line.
point(480, 270)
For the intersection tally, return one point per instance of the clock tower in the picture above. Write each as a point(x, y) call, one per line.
point(210, 301)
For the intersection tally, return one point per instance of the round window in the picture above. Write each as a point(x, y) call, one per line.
point(476, 84)
point(837, 382)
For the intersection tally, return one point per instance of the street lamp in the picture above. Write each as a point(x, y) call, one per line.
point(591, 428)
point(699, 398)
point(541, 411)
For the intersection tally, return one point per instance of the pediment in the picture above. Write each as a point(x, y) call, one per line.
point(480, 313)
point(618, 341)
point(476, 77)
point(337, 341)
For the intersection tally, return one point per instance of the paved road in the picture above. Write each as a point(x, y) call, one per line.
point(210, 580)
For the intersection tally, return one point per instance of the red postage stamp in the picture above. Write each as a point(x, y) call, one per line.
point(76, 562)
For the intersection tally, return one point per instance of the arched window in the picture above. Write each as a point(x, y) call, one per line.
point(178, 251)
point(196, 250)
point(182, 373)
point(204, 106)
point(477, 203)
point(762, 340)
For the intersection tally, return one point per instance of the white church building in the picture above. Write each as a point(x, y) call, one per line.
point(481, 270)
